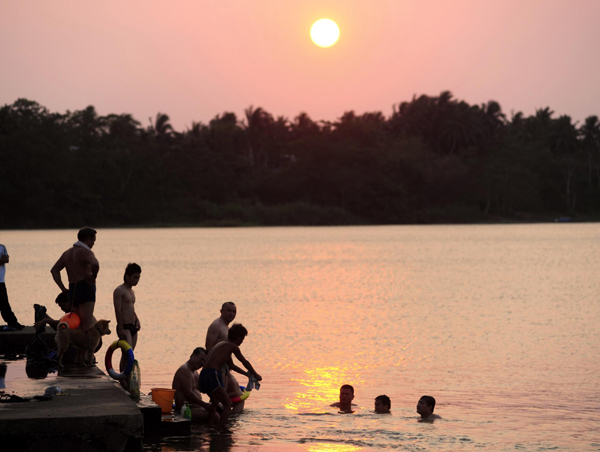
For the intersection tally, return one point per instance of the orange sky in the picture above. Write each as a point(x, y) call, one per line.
point(194, 59)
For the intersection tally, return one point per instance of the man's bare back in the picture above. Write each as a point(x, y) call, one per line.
point(79, 263)
point(82, 268)
point(221, 355)
point(219, 328)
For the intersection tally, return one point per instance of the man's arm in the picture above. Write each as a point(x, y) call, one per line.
point(3, 255)
point(55, 270)
point(239, 370)
point(211, 336)
point(47, 321)
point(118, 296)
point(246, 363)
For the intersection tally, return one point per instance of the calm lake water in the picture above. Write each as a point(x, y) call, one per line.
point(499, 323)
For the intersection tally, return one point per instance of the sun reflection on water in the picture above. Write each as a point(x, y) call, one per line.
point(329, 447)
point(322, 389)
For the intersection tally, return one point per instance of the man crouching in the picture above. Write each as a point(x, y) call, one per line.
point(211, 378)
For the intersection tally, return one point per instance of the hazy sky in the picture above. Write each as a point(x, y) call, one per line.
point(194, 59)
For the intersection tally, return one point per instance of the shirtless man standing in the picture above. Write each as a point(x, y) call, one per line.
point(82, 269)
point(218, 332)
point(128, 323)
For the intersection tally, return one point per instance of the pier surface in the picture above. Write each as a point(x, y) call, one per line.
point(92, 414)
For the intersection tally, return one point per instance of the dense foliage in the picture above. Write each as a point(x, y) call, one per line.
point(434, 160)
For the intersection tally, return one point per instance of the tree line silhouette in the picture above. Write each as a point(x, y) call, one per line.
point(433, 160)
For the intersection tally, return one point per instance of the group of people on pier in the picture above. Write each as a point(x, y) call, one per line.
point(215, 359)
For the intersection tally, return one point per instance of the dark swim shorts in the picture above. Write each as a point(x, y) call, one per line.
point(210, 380)
point(131, 327)
point(81, 292)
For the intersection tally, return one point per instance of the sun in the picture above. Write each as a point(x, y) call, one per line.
point(324, 32)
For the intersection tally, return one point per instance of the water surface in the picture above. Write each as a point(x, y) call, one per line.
point(498, 323)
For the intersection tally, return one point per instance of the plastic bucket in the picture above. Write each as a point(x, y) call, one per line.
point(164, 398)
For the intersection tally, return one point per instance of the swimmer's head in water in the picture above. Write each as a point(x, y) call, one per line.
point(237, 331)
point(346, 394)
point(426, 405)
point(382, 404)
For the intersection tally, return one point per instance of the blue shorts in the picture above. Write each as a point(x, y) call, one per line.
point(81, 292)
point(210, 380)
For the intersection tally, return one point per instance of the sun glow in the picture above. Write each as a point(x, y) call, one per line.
point(324, 32)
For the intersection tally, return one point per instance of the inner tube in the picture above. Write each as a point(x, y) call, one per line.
point(125, 349)
point(241, 398)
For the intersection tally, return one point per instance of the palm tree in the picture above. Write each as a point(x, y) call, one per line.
point(258, 126)
point(161, 128)
point(590, 134)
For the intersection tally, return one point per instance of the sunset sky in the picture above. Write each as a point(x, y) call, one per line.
point(194, 59)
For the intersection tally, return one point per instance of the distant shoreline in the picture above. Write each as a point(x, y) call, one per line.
point(231, 224)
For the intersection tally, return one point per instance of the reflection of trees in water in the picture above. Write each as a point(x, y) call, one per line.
point(434, 159)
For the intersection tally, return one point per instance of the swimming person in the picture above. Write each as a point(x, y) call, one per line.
point(346, 396)
point(128, 323)
point(382, 404)
point(425, 408)
point(185, 383)
point(211, 378)
point(82, 269)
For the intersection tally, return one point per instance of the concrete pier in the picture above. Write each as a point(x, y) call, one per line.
point(15, 342)
point(92, 415)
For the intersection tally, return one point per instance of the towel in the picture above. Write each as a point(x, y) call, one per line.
point(81, 244)
point(252, 383)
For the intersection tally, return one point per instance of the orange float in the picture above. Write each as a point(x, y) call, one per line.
point(71, 319)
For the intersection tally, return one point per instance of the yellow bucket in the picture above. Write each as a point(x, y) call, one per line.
point(164, 398)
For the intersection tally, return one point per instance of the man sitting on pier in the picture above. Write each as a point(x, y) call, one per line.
point(185, 383)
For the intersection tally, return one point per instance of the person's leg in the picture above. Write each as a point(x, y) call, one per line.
point(220, 395)
point(212, 411)
point(134, 338)
point(200, 414)
point(123, 362)
point(5, 309)
point(86, 314)
point(233, 390)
